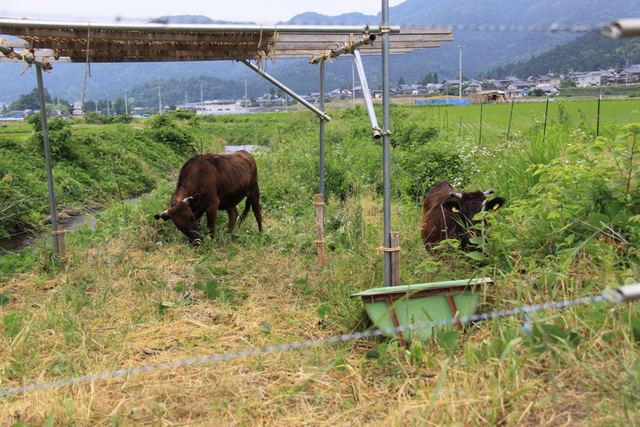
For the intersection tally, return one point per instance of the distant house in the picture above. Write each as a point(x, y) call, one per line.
point(77, 114)
point(548, 81)
point(518, 85)
point(337, 94)
point(548, 90)
point(593, 78)
point(629, 75)
point(223, 106)
point(451, 82)
point(473, 87)
point(404, 90)
point(359, 92)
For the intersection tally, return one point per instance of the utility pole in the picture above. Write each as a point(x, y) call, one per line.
point(245, 93)
point(185, 99)
point(126, 110)
point(460, 76)
point(159, 100)
point(108, 114)
point(201, 99)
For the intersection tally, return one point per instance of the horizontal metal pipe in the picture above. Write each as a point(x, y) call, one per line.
point(348, 48)
point(196, 28)
point(367, 96)
point(622, 28)
point(294, 95)
point(10, 54)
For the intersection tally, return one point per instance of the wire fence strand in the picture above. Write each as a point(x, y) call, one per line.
point(526, 310)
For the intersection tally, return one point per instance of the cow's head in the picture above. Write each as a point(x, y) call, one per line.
point(463, 207)
point(183, 217)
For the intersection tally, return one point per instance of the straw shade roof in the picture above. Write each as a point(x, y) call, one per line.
point(52, 42)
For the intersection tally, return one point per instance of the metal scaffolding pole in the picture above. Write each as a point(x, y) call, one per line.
point(321, 169)
point(367, 95)
point(384, 29)
point(47, 156)
point(285, 89)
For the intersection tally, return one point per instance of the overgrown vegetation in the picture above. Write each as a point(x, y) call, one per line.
point(132, 292)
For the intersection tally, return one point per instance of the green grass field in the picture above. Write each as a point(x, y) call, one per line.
point(132, 292)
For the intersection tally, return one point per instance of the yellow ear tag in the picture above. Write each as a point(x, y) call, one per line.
point(455, 210)
point(495, 208)
point(160, 220)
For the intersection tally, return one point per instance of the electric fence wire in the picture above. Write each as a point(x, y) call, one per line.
point(609, 296)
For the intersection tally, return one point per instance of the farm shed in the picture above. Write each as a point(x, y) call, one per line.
point(48, 43)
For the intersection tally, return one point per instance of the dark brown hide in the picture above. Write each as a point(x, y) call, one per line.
point(447, 214)
point(211, 182)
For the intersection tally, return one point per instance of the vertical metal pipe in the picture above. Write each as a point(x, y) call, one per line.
point(321, 172)
point(47, 156)
point(386, 141)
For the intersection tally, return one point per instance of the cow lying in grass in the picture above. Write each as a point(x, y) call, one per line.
point(211, 182)
point(447, 214)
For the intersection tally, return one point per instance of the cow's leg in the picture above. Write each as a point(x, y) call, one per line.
point(212, 214)
point(233, 217)
point(253, 198)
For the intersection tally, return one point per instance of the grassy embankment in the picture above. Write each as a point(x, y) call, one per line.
point(132, 292)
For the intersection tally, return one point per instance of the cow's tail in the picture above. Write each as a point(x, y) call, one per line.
point(247, 208)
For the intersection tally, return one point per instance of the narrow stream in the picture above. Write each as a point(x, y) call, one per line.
point(20, 241)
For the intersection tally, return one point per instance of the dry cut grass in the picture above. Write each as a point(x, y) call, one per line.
point(131, 301)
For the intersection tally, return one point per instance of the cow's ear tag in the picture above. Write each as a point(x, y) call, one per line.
point(495, 208)
point(160, 220)
point(455, 210)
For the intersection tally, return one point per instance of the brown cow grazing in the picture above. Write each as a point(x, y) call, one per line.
point(447, 214)
point(211, 182)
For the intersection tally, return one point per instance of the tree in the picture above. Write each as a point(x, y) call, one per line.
point(30, 101)
point(428, 78)
point(488, 85)
point(401, 81)
point(568, 82)
point(536, 92)
point(90, 106)
point(118, 106)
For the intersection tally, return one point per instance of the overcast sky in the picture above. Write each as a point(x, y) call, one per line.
point(258, 11)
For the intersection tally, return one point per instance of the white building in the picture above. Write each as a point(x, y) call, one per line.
point(593, 78)
point(222, 106)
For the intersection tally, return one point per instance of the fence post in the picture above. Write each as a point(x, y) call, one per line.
point(480, 136)
point(598, 120)
point(546, 114)
point(320, 228)
point(510, 116)
point(58, 236)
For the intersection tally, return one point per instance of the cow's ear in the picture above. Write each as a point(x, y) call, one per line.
point(494, 204)
point(452, 206)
